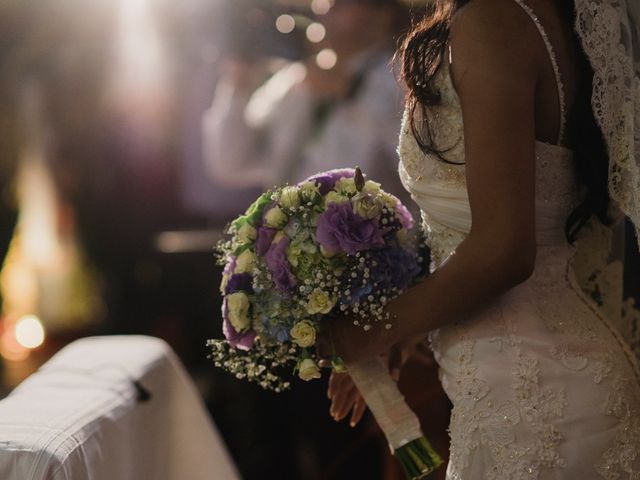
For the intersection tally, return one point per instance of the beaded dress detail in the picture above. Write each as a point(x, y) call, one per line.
point(542, 387)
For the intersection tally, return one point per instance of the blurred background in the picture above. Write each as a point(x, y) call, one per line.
point(132, 131)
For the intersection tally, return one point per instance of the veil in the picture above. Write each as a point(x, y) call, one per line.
point(609, 31)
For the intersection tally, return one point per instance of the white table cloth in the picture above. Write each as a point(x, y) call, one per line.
point(80, 417)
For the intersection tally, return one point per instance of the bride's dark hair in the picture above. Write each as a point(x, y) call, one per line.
point(422, 53)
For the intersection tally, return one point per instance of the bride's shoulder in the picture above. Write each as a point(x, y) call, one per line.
point(494, 31)
point(499, 23)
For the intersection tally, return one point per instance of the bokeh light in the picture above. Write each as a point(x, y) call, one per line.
point(326, 59)
point(320, 7)
point(29, 332)
point(285, 23)
point(316, 32)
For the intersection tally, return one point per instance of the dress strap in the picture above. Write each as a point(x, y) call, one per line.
point(554, 63)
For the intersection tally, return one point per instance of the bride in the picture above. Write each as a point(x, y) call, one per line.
point(515, 175)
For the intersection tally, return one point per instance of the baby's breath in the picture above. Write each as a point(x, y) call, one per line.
point(261, 365)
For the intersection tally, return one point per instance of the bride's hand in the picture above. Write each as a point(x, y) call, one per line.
point(344, 394)
point(352, 343)
point(345, 397)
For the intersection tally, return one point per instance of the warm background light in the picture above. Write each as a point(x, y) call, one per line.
point(29, 332)
point(10, 349)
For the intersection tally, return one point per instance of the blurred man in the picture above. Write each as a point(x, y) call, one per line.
point(306, 118)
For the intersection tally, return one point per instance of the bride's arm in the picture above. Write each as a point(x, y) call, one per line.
point(496, 61)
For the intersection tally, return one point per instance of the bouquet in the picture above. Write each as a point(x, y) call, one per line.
point(335, 244)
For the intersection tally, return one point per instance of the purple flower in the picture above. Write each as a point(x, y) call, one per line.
point(327, 180)
point(242, 341)
point(406, 219)
point(340, 229)
point(396, 267)
point(240, 282)
point(276, 260)
point(264, 237)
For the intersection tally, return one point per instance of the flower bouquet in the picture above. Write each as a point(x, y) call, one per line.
point(333, 245)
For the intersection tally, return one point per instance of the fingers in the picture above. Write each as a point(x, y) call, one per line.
point(334, 382)
point(340, 392)
point(341, 404)
point(343, 394)
point(358, 411)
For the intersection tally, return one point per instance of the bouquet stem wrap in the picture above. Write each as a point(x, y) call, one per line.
point(398, 422)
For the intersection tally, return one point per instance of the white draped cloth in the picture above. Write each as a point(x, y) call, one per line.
point(80, 417)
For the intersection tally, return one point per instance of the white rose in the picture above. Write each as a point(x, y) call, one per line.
point(346, 185)
point(304, 333)
point(308, 370)
point(238, 308)
point(335, 197)
point(275, 218)
point(320, 302)
point(366, 205)
point(245, 262)
point(247, 234)
point(289, 197)
point(371, 187)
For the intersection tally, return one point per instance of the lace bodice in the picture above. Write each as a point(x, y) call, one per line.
point(439, 188)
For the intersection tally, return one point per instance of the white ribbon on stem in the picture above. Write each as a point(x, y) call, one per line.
point(387, 404)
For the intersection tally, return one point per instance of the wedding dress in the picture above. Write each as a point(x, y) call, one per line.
point(542, 386)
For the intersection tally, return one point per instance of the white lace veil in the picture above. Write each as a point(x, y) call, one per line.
point(610, 34)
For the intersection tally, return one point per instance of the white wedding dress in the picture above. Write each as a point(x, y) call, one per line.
point(542, 387)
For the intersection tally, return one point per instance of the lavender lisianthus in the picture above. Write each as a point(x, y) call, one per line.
point(406, 219)
point(340, 229)
point(279, 267)
point(241, 341)
point(240, 282)
point(264, 237)
point(327, 180)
